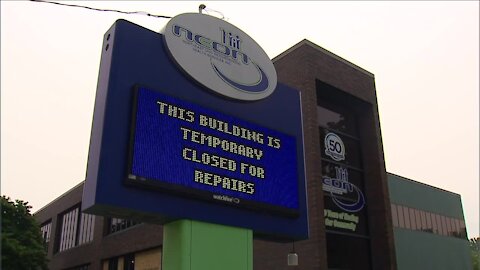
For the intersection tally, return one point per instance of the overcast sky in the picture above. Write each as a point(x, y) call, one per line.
point(425, 57)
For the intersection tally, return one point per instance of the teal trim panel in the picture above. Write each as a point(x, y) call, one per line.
point(406, 192)
point(421, 251)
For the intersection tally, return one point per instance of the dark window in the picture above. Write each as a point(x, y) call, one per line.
point(457, 228)
point(81, 267)
point(336, 119)
point(454, 227)
point(113, 264)
point(46, 229)
point(343, 181)
point(119, 224)
point(129, 262)
point(463, 230)
point(355, 248)
point(339, 220)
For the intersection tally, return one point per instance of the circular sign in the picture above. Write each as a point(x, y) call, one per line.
point(220, 56)
point(334, 147)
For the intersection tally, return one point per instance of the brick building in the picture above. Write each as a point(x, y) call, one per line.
point(349, 206)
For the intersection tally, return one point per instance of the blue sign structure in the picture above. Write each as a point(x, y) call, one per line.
point(165, 148)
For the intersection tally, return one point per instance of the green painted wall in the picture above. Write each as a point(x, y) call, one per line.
point(417, 250)
point(417, 195)
point(194, 245)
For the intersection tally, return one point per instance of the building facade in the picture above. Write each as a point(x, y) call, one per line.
point(79, 241)
point(339, 102)
point(349, 207)
point(428, 225)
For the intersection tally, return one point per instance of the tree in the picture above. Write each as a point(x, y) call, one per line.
point(22, 243)
point(475, 249)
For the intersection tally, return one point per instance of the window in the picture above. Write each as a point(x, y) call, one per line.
point(129, 262)
point(113, 264)
point(444, 225)
point(68, 229)
point(457, 228)
point(415, 219)
point(463, 229)
point(341, 160)
point(86, 229)
point(76, 228)
point(119, 224)
point(429, 222)
point(46, 229)
point(435, 225)
point(418, 220)
point(401, 222)
point(358, 250)
point(81, 267)
point(123, 262)
point(413, 224)
point(406, 215)
point(394, 215)
point(424, 220)
point(338, 120)
point(447, 225)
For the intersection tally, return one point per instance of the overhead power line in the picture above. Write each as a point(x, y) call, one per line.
point(108, 10)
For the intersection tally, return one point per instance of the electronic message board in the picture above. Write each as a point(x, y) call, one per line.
point(192, 150)
point(165, 147)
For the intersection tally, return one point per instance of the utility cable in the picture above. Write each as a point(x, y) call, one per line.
point(108, 10)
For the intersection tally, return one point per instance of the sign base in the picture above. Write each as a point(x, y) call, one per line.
point(195, 245)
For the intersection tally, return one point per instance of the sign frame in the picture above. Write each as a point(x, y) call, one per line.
point(134, 55)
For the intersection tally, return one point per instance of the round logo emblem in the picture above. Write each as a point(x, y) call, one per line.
point(334, 147)
point(220, 56)
point(339, 187)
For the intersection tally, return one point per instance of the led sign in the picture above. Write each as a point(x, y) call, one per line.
point(192, 150)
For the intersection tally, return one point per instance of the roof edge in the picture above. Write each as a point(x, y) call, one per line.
point(329, 53)
point(424, 184)
point(59, 197)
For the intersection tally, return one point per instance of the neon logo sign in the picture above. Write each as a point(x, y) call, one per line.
point(220, 56)
point(339, 187)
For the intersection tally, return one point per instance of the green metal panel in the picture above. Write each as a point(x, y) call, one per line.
point(194, 245)
point(417, 195)
point(417, 250)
